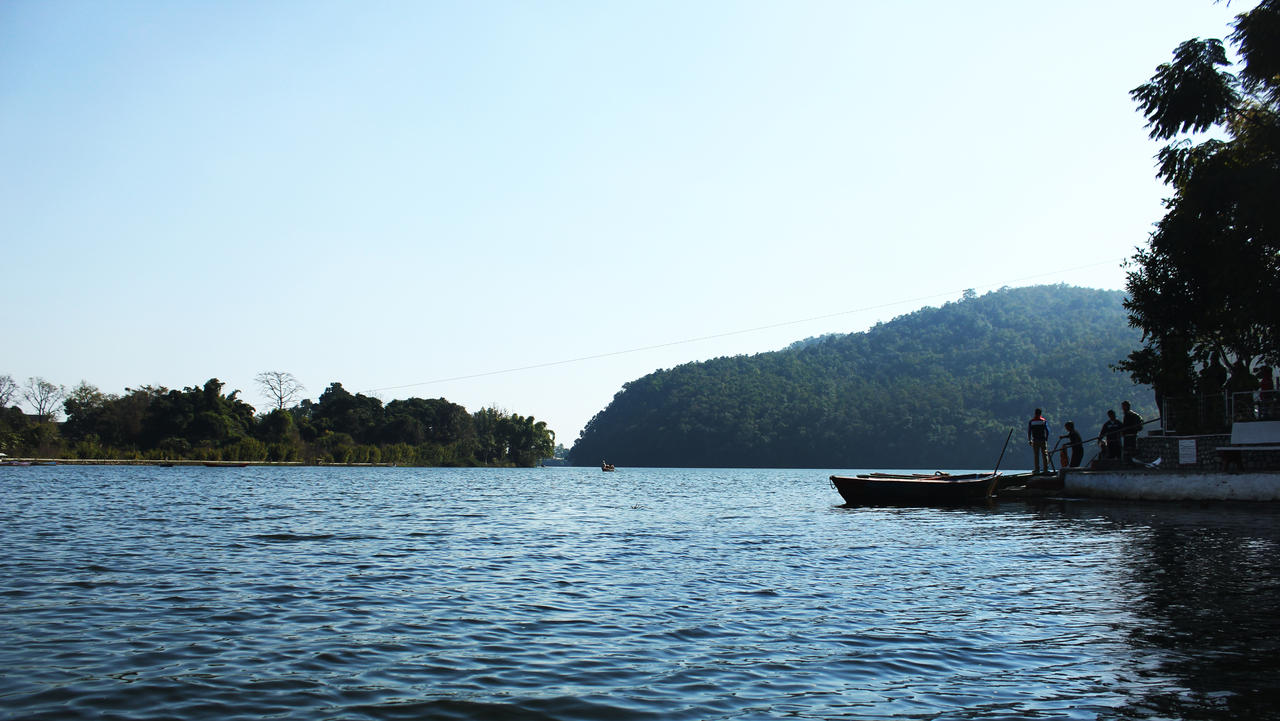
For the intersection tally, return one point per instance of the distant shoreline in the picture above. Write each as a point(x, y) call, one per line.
point(175, 463)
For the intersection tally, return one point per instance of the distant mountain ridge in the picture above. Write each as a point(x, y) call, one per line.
point(937, 388)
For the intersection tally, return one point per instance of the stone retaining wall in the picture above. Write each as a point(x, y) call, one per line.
point(1167, 449)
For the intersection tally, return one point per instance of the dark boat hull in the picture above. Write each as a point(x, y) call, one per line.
point(919, 490)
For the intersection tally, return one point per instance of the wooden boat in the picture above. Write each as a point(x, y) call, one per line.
point(915, 489)
point(607, 466)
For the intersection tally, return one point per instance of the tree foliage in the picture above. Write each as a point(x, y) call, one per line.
point(1203, 291)
point(938, 388)
point(204, 423)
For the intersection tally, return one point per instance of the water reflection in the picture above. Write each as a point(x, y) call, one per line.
point(1203, 584)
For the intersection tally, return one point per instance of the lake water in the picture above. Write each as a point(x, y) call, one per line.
point(561, 593)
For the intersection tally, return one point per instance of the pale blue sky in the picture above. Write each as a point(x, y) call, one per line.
point(389, 193)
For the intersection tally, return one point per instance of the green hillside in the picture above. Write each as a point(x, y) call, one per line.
point(937, 388)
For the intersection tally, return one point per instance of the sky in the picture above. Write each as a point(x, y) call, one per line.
point(526, 205)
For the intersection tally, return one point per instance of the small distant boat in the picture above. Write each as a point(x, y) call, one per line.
point(915, 489)
point(607, 466)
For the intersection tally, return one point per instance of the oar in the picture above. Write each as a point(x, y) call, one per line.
point(1002, 450)
point(995, 478)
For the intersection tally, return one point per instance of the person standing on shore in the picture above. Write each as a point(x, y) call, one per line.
point(1111, 436)
point(1075, 444)
point(1038, 437)
point(1132, 423)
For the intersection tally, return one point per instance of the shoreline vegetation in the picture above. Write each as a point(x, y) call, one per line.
point(190, 463)
point(201, 425)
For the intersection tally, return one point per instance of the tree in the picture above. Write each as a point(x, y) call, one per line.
point(1203, 291)
point(44, 397)
point(277, 427)
point(280, 387)
point(84, 406)
point(196, 416)
point(357, 415)
point(531, 441)
point(8, 389)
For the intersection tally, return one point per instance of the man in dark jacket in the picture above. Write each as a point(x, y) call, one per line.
point(1132, 423)
point(1038, 437)
point(1075, 444)
point(1111, 436)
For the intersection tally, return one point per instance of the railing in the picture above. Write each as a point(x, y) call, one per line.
point(1255, 406)
point(1202, 415)
point(1196, 415)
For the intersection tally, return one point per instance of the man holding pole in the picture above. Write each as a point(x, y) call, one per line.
point(1038, 437)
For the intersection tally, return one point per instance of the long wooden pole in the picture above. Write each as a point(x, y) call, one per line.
point(1002, 450)
point(995, 473)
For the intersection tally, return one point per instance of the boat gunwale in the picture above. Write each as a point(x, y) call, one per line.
point(938, 479)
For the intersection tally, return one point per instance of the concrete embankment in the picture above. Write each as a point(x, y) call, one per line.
point(1174, 485)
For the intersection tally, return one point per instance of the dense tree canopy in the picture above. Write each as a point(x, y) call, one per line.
point(939, 388)
point(1204, 289)
point(203, 423)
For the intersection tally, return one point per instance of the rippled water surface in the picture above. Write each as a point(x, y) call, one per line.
point(308, 593)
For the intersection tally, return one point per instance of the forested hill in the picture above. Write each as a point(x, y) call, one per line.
point(937, 388)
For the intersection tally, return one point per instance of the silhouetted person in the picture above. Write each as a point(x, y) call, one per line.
point(1111, 437)
point(1075, 444)
point(1038, 437)
point(1132, 423)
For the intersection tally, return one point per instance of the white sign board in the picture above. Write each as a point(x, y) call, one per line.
point(1187, 451)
